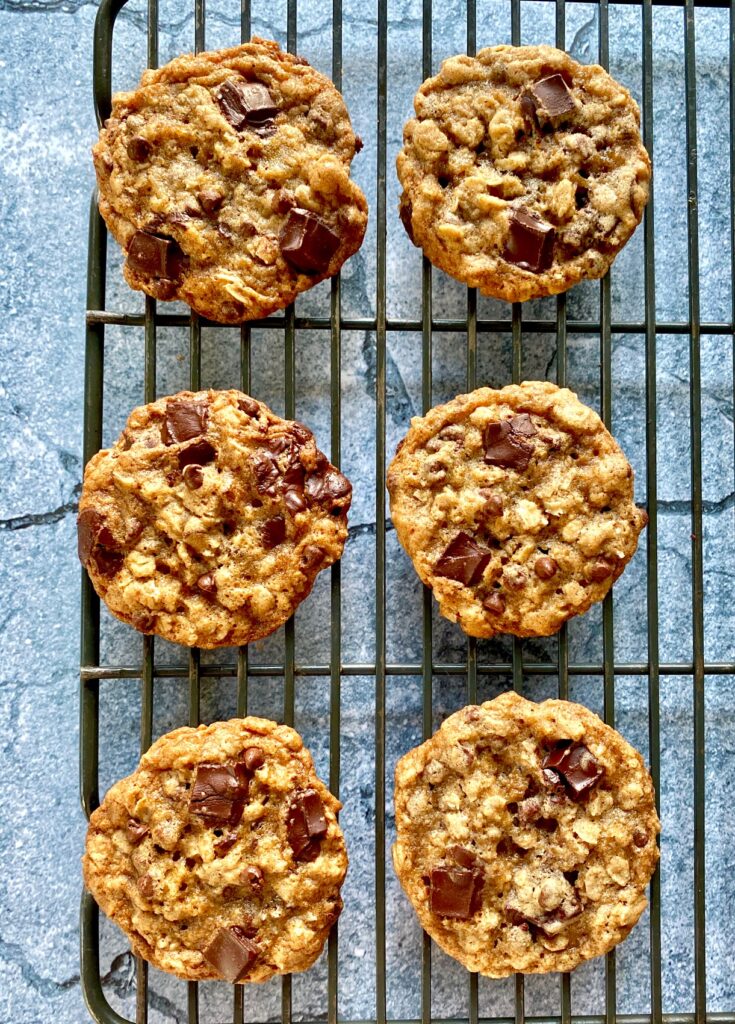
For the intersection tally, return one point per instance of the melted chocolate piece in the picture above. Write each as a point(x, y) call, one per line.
point(96, 543)
point(136, 831)
point(327, 486)
point(552, 100)
point(454, 892)
point(219, 793)
point(306, 824)
point(224, 844)
point(253, 758)
point(247, 105)
point(574, 765)
point(273, 532)
point(495, 603)
point(311, 556)
point(155, 256)
point(267, 473)
point(545, 567)
point(198, 454)
point(507, 446)
point(601, 570)
point(249, 406)
point(307, 242)
point(184, 420)
point(530, 242)
point(463, 560)
point(231, 953)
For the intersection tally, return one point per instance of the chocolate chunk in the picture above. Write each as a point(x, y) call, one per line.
point(184, 420)
point(253, 876)
point(249, 406)
point(198, 454)
point(462, 856)
point(311, 556)
point(146, 886)
point(219, 793)
point(463, 560)
point(91, 531)
point(253, 758)
point(224, 844)
point(552, 100)
point(294, 500)
point(231, 953)
point(306, 824)
point(307, 242)
point(601, 570)
point(136, 831)
point(155, 256)
point(139, 149)
point(495, 603)
point(193, 477)
point(327, 487)
point(505, 446)
point(523, 424)
point(573, 764)
point(545, 567)
point(454, 892)
point(267, 473)
point(493, 506)
point(210, 201)
point(207, 583)
point(273, 532)
point(530, 242)
point(247, 105)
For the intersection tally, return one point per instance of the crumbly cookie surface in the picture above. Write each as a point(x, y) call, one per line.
point(221, 855)
point(515, 506)
point(225, 177)
point(526, 835)
point(209, 519)
point(523, 171)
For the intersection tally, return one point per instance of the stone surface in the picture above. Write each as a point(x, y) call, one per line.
point(46, 128)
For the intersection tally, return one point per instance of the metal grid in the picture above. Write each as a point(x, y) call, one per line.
point(92, 672)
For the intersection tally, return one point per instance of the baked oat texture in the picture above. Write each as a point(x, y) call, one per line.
point(508, 865)
point(515, 506)
point(211, 154)
point(176, 877)
point(491, 142)
point(210, 518)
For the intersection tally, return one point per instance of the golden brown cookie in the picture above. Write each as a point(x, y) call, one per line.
point(225, 177)
point(210, 518)
point(523, 171)
point(221, 855)
point(526, 835)
point(515, 506)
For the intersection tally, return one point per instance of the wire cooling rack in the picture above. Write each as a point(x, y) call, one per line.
point(508, 326)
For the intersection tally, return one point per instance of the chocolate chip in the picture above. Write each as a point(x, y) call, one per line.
point(136, 831)
point(573, 764)
point(601, 570)
point(207, 583)
point(528, 109)
point(462, 856)
point(253, 758)
point(231, 953)
point(327, 487)
point(249, 406)
point(219, 793)
point(254, 877)
point(463, 560)
point(640, 838)
point(311, 556)
point(224, 844)
point(493, 506)
point(155, 256)
point(91, 531)
point(267, 473)
point(545, 567)
point(307, 242)
point(139, 149)
point(454, 891)
point(552, 100)
point(146, 887)
point(247, 105)
point(495, 603)
point(273, 532)
point(530, 242)
point(193, 477)
point(184, 420)
point(522, 423)
point(210, 201)
point(306, 824)
point(505, 446)
point(198, 454)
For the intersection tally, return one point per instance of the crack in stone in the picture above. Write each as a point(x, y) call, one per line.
point(121, 979)
point(42, 518)
point(681, 507)
point(13, 953)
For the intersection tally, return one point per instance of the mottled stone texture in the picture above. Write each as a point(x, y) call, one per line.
point(46, 129)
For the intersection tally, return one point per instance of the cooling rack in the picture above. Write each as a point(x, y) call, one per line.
point(508, 326)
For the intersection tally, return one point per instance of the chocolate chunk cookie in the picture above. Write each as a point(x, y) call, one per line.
point(220, 857)
point(516, 508)
point(523, 171)
point(225, 177)
point(209, 519)
point(526, 835)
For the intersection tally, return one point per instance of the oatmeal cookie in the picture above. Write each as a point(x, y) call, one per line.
point(523, 171)
point(526, 835)
point(220, 857)
point(225, 177)
point(210, 518)
point(515, 506)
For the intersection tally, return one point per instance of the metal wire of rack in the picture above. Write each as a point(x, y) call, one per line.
point(427, 669)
